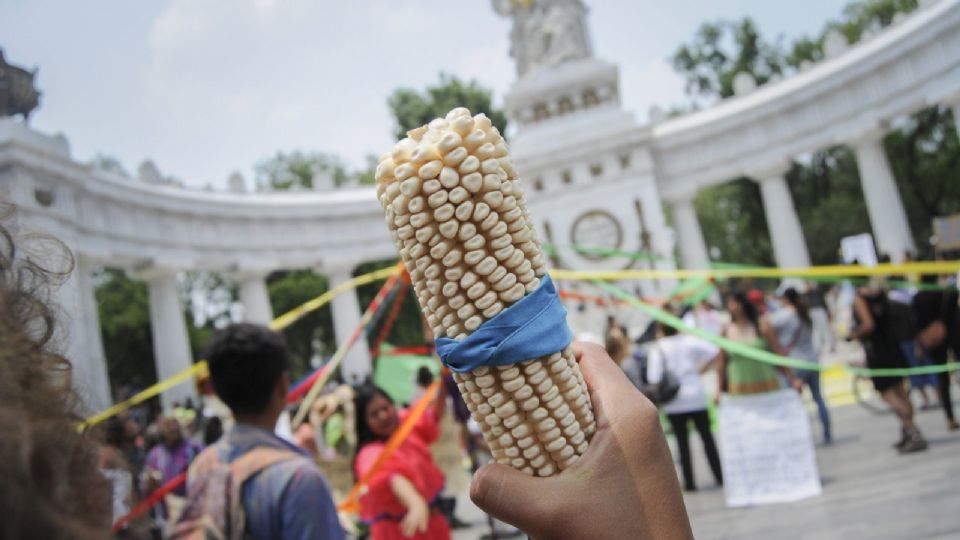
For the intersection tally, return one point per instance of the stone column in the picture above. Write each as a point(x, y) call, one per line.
point(955, 108)
point(786, 235)
point(255, 298)
point(79, 331)
point(171, 343)
point(693, 249)
point(891, 230)
point(346, 315)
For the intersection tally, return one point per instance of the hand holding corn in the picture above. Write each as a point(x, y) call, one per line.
point(456, 211)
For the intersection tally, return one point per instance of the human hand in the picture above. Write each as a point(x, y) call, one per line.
point(416, 519)
point(625, 486)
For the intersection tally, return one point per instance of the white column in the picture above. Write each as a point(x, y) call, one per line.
point(786, 235)
point(891, 230)
point(81, 338)
point(346, 316)
point(255, 298)
point(955, 108)
point(171, 343)
point(693, 249)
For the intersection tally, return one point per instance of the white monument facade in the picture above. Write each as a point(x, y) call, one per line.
point(593, 177)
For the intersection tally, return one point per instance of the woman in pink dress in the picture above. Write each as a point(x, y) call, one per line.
point(401, 497)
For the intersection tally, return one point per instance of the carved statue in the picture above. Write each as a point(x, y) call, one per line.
point(546, 33)
point(18, 95)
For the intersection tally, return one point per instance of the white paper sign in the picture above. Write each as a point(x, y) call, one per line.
point(859, 248)
point(767, 449)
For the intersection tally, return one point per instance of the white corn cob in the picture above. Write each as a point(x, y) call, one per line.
point(455, 208)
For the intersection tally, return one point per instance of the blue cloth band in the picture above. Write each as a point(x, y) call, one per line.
point(533, 327)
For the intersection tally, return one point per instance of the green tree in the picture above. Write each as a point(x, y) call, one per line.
point(123, 308)
point(923, 150)
point(312, 334)
point(719, 51)
point(925, 155)
point(208, 299)
point(733, 222)
point(297, 169)
point(412, 109)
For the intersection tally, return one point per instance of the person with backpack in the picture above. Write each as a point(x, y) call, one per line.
point(685, 358)
point(253, 484)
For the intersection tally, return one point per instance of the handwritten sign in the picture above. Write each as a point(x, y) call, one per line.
point(767, 449)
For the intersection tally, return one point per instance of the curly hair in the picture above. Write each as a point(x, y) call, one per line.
point(51, 487)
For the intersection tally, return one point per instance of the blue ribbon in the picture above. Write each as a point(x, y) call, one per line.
point(535, 326)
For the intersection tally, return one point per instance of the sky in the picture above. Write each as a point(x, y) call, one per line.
point(208, 87)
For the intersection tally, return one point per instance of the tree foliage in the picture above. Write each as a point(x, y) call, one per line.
point(412, 108)
point(719, 51)
point(923, 149)
point(123, 308)
point(313, 334)
point(297, 170)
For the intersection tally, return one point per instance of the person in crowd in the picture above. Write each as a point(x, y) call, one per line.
point(903, 318)
point(759, 301)
point(51, 485)
point(739, 375)
point(332, 416)
point(824, 338)
point(305, 436)
point(284, 498)
point(794, 327)
point(624, 486)
point(686, 357)
point(938, 325)
point(113, 464)
point(705, 317)
point(874, 330)
point(212, 430)
point(618, 348)
point(402, 500)
point(423, 381)
point(170, 458)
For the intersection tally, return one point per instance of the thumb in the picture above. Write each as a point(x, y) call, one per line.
point(524, 501)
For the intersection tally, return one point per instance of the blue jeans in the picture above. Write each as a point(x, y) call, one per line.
point(812, 380)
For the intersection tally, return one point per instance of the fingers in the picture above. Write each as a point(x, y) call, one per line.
point(523, 501)
point(608, 383)
point(406, 529)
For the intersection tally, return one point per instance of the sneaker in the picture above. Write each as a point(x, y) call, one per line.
point(903, 440)
point(456, 523)
point(914, 443)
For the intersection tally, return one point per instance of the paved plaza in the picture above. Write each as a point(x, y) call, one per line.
point(869, 491)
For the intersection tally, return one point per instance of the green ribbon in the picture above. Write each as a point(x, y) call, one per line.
point(761, 355)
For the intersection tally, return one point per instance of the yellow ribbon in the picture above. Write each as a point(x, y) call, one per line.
point(925, 268)
point(199, 369)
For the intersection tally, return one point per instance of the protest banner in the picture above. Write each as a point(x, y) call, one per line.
point(767, 449)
